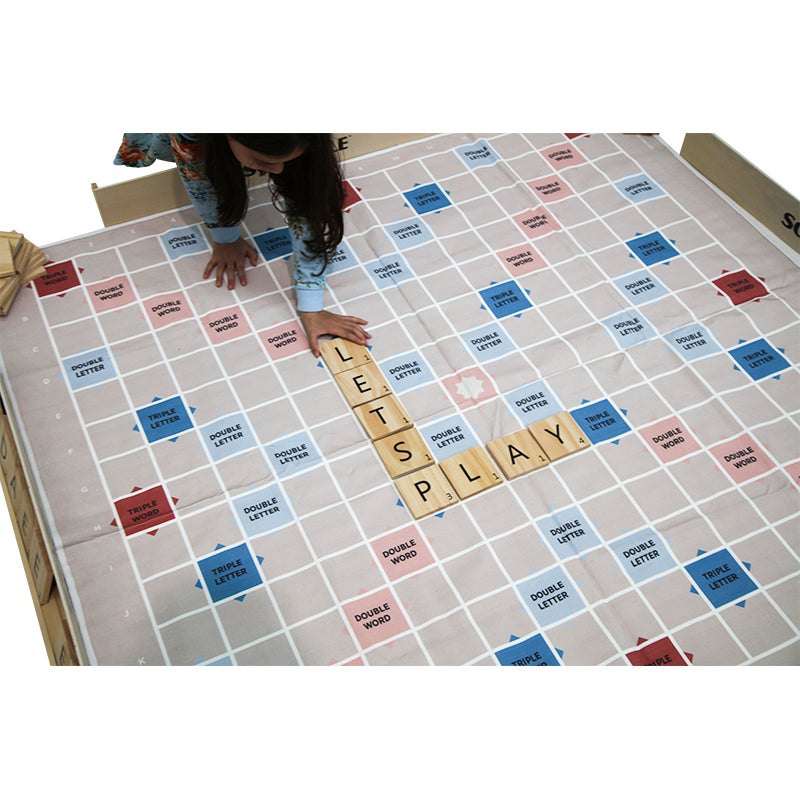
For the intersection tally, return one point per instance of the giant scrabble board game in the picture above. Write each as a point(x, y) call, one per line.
point(573, 439)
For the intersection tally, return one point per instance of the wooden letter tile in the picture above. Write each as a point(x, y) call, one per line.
point(381, 417)
point(403, 452)
point(426, 491)
point(559, 435)
point(341, 355)
point(362, 384)
point(517, 453)
point(6, 259)
point(470, 472)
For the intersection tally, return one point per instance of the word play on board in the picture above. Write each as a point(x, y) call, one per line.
point(403, 451)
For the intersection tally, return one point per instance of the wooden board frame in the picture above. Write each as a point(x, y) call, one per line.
point(52, 608)
point(745, 185)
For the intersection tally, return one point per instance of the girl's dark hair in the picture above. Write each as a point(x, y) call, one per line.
point(310, 186)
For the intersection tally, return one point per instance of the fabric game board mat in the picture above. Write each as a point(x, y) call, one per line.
point(211, 496)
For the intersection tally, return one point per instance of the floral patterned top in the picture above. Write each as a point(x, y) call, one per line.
point(185, 150)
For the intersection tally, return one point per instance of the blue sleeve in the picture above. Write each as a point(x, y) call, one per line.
point(309, 278)
point(187, 150)
point(225, 235)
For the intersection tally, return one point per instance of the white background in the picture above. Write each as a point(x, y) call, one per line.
point(76, 75)
point(51, 201)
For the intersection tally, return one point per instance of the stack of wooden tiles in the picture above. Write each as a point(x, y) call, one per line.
point(425, 486)
point(20, 263)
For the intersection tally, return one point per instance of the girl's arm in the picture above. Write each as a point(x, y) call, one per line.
point(320, 323)
point(310, 290)
point(229, 251)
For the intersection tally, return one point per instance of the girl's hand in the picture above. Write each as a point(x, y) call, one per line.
point(317, 323)
point(230, 258)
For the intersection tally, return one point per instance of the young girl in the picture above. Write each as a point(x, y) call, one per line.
point(307, 188)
